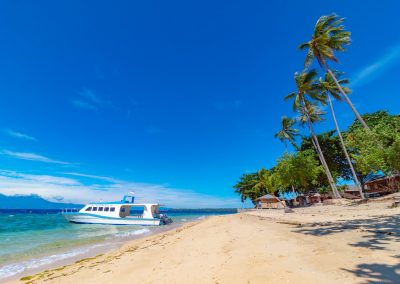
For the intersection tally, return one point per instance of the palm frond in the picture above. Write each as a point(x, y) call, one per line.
point(290, 96)
point(329, 36)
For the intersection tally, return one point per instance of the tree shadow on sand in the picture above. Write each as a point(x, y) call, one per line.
point(377, 273)
point(378, 230)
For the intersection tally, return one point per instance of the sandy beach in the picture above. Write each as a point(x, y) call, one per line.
point(321, 244)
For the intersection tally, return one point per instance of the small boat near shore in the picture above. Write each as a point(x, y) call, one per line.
point(124, 212)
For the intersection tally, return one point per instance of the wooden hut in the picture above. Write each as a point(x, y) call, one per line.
point(383, 185)
point(269, 201)
point(375, 185)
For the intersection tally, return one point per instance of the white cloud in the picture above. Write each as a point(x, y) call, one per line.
point(82, 104)
point(32, 157)
point(56, 189)
point(40, 178)
point(90, 96)
point(377, 68)
point(109, 179)
point(88, 100)
point(19, 135)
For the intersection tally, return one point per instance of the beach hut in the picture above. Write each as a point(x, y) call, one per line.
point(375, 185)
point(269, 201)
point(382, 185)
point(315, 198)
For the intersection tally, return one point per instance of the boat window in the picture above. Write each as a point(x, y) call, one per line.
point(101, 208)
point(106, 209)
point(112, 209)
point(94, 209)
point(123, 209)
point(89, 208)
point(137, 210)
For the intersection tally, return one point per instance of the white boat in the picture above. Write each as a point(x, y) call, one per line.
point(124, 212)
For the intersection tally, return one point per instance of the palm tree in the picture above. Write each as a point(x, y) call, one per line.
point(262, 184)
point(287, 132)
point(245, 187)
point(329, 36)
point(329, 87)
point(314, 113)
point(254, 185)
point(307, 86)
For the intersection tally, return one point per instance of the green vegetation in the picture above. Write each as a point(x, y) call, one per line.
point(329, 36)
point(287, 132)
point(371, 144)
point(304, 101)
point(377, 149)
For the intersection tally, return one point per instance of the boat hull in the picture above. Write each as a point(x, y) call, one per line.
point(93, 219)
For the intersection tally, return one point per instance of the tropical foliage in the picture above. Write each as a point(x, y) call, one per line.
point(299, 170)
point(370, 144)
point(377, 150)
point(287, 132)
point(254, 185)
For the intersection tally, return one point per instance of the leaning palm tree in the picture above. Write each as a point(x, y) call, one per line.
point(311, 114)
point(308, 88)
point(329, 36)
point(287, 132)
point(328, 87)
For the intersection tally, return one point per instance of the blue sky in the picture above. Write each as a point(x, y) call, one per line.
point(171, 99)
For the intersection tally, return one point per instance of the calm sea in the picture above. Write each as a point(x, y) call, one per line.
point(31, 239)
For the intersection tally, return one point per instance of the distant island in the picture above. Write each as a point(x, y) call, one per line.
point(32, 201)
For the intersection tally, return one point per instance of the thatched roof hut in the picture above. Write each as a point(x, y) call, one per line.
point(269, 201)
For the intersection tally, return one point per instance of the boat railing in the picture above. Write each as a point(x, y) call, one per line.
point(70, 210)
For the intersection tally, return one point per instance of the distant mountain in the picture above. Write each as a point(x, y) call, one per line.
point(31, 202)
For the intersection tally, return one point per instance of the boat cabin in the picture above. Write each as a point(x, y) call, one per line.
point(123, 212)
point(122, 209)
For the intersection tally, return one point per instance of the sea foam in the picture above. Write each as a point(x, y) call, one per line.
point(132, 233)
point(15, 268)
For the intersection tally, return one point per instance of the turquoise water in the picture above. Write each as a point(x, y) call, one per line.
point(31, 239)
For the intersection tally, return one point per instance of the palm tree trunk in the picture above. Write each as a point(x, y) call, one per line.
point(345, 150)
point(321, 155)
point(332, 183)
point(353, 108)
point(314, 141)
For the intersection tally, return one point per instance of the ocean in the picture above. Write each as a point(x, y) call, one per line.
point(34, 239)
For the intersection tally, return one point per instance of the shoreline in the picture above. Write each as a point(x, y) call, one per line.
point(329, 244)
point(122, 247)
point(89, 251)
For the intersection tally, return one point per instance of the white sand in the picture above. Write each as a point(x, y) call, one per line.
point(333, 244)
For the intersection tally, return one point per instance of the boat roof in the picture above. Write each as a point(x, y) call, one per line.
point(126, 200)
point(123, 203)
